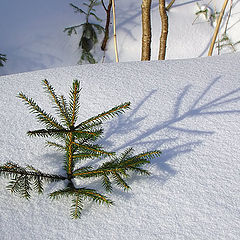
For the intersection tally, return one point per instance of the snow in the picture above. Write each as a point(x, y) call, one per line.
point(33, 38)
point(188, 109)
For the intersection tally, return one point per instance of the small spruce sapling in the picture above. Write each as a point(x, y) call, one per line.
point(3, 59)
point(90, 30)
point(78, 142)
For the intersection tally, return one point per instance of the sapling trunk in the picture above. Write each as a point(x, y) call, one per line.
point(106, 31)
point(146, 30)
point(164, 31)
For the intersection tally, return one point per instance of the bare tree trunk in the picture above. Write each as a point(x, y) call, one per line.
point(146, 30)
point(164, 33)
point(106, 36)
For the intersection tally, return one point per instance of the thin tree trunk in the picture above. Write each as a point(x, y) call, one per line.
point(217, 28)
point(164, 32)
point(146, 30)
point(106, 36)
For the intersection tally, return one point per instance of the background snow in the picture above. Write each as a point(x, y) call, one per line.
point(32, 32)
point(189, 109)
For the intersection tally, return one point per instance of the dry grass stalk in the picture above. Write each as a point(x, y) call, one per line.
point(114, 31)
point(217, 28)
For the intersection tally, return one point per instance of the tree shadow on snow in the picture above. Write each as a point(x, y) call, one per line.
point(173, 146)
point(182, 4)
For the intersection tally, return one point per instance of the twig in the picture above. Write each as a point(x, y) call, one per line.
point(103, 5)
point(170, 5)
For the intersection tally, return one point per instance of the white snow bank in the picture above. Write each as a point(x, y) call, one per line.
point(189, 109)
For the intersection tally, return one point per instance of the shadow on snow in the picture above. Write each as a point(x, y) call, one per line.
point(170, 146)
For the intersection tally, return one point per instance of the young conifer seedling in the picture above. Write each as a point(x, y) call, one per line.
point(90, 30)
point(78, 142)
point(3, 59)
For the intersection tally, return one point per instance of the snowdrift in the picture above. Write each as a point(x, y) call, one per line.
point(188, 109)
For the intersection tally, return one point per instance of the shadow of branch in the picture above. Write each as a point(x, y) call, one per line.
point(125, 124)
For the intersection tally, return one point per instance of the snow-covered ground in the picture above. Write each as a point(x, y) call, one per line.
point(32, 34)
point(188, 109)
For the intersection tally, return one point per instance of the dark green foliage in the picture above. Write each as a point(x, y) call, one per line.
point(25, 180)
point(3, 59)
point(118, 169)
point(90, 30)
point(78, 142)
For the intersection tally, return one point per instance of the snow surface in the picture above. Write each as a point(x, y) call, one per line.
point(32, 34)
point(188, 109)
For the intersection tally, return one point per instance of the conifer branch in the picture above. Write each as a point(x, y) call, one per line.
point(85, 193)
point(62, 111)
point(118, 168)
point(93, 148)
point(76, 207)
point(112, 167)
point(92, 126)
point(56, 145)
point(65, 106)
point(119, 180)
point(148, 155)
point(77, 9)
point(42, 116)
point(74, 101)
point(70, 154)
point(24, 178)
point(78, 195)
point(106, 115)
point(106, 183)
point(52, 132)
point(82, 156)
point(72, 29)
point(12, 169)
